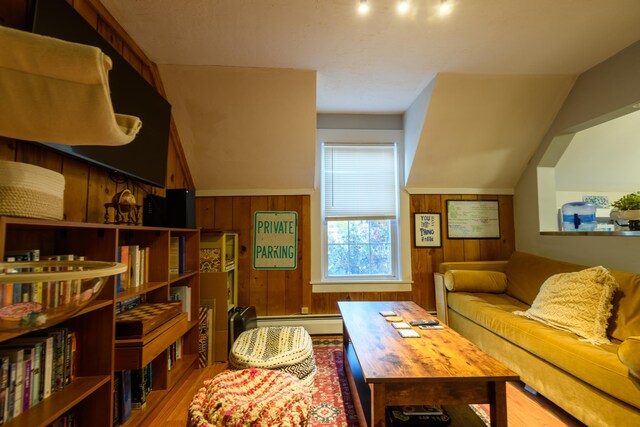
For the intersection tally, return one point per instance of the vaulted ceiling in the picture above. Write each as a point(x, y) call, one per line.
point(505, 66)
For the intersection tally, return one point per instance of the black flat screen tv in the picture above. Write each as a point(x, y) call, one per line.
point(144, 159)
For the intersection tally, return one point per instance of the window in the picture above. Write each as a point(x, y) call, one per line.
point(359, 200)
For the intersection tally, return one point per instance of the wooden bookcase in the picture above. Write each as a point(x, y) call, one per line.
point(219, 285)
point(90, 395)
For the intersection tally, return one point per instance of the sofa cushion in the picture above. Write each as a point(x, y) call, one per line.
point(526, 273)
point(475, 281)
point(625, 321)
point(579, 302)
point(595, 365)
point(629, 354)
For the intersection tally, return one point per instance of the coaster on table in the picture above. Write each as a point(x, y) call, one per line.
point(394, 319)
point(401, 325)
point(386, 313)
point(408, 333)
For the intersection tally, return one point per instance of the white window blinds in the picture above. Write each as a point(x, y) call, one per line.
point(359, 181)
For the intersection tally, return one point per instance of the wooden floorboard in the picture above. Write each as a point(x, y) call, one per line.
point(523, 408)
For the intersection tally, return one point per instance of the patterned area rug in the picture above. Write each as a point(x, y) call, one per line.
point(332, 403)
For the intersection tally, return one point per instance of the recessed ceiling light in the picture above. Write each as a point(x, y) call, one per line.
point(403, 7)
point(363, 7)
point(445, 7)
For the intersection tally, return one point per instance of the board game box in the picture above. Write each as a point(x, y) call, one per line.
point(144, 318)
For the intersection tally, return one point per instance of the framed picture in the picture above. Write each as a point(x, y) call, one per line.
point(427, 230)
point(473, 219)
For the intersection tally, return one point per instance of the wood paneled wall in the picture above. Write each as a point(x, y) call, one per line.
point(272, 292)
point(88, 187)
point(286, 292)
point(425, 261)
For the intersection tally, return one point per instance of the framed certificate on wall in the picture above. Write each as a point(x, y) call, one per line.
point(473, 219)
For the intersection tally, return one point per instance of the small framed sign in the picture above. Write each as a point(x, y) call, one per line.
point(427, 230)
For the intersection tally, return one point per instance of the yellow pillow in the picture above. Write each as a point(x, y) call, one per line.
point(475, 281)
point(578, 302)
point(629, 354)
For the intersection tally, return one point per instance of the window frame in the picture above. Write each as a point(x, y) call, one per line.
point(377, 132)
point(395, 223)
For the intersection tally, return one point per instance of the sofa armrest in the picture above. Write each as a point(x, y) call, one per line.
point(473, 265)
point(441, 298)
point(469, 280)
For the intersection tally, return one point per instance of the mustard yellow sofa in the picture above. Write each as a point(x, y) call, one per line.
point(597, 384)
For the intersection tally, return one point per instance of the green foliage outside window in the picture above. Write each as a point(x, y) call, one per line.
point(359, 248)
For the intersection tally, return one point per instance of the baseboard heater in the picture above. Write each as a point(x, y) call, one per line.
point(315, 324)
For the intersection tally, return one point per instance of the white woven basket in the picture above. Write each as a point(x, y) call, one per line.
point(30, 191)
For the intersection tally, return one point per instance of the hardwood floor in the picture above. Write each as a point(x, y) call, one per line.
point(527, 410)
point(175, 413)
point(523, 408)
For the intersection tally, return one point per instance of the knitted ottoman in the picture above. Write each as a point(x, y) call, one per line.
point(251, 397)
point(282, 348)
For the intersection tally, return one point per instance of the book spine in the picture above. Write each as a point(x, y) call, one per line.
point(203, 336)
point(138, 396)
point(181, 254)
point(26, 387)
point(4, 388)
point(12, 390)
point(36, 394)
point(18, 396)
point(124, 283)
point(73, 366)
point(58, 360)
point(125, 385)
point(49, 367)
point(134, 267)
point(116, 398)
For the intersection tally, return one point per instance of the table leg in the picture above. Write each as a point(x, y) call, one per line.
point(378, 416)
point(498, 406)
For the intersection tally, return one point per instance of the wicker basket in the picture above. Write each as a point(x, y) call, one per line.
point(30, 191)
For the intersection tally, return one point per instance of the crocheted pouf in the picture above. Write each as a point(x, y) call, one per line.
point(283, 348)
point(251, 397)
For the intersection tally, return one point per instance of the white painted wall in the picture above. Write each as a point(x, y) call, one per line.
point(605, 91)
point(245, 131)
point(597, 156)
point(480, 130)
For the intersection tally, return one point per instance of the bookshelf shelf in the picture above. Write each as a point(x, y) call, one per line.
point(219, 284)
point(182, 366)
point(53, 407)
point(176, 278)
point(90, 396)
point(141, 290)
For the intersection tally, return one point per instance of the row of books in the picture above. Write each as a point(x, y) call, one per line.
point(183, 294)
point(34, 366)
point(130, 391)
point(177, 259)
point(174, 353)
point(137, 260)
point(49, 294)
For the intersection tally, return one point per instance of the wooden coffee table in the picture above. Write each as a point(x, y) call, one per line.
point(441, 367)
